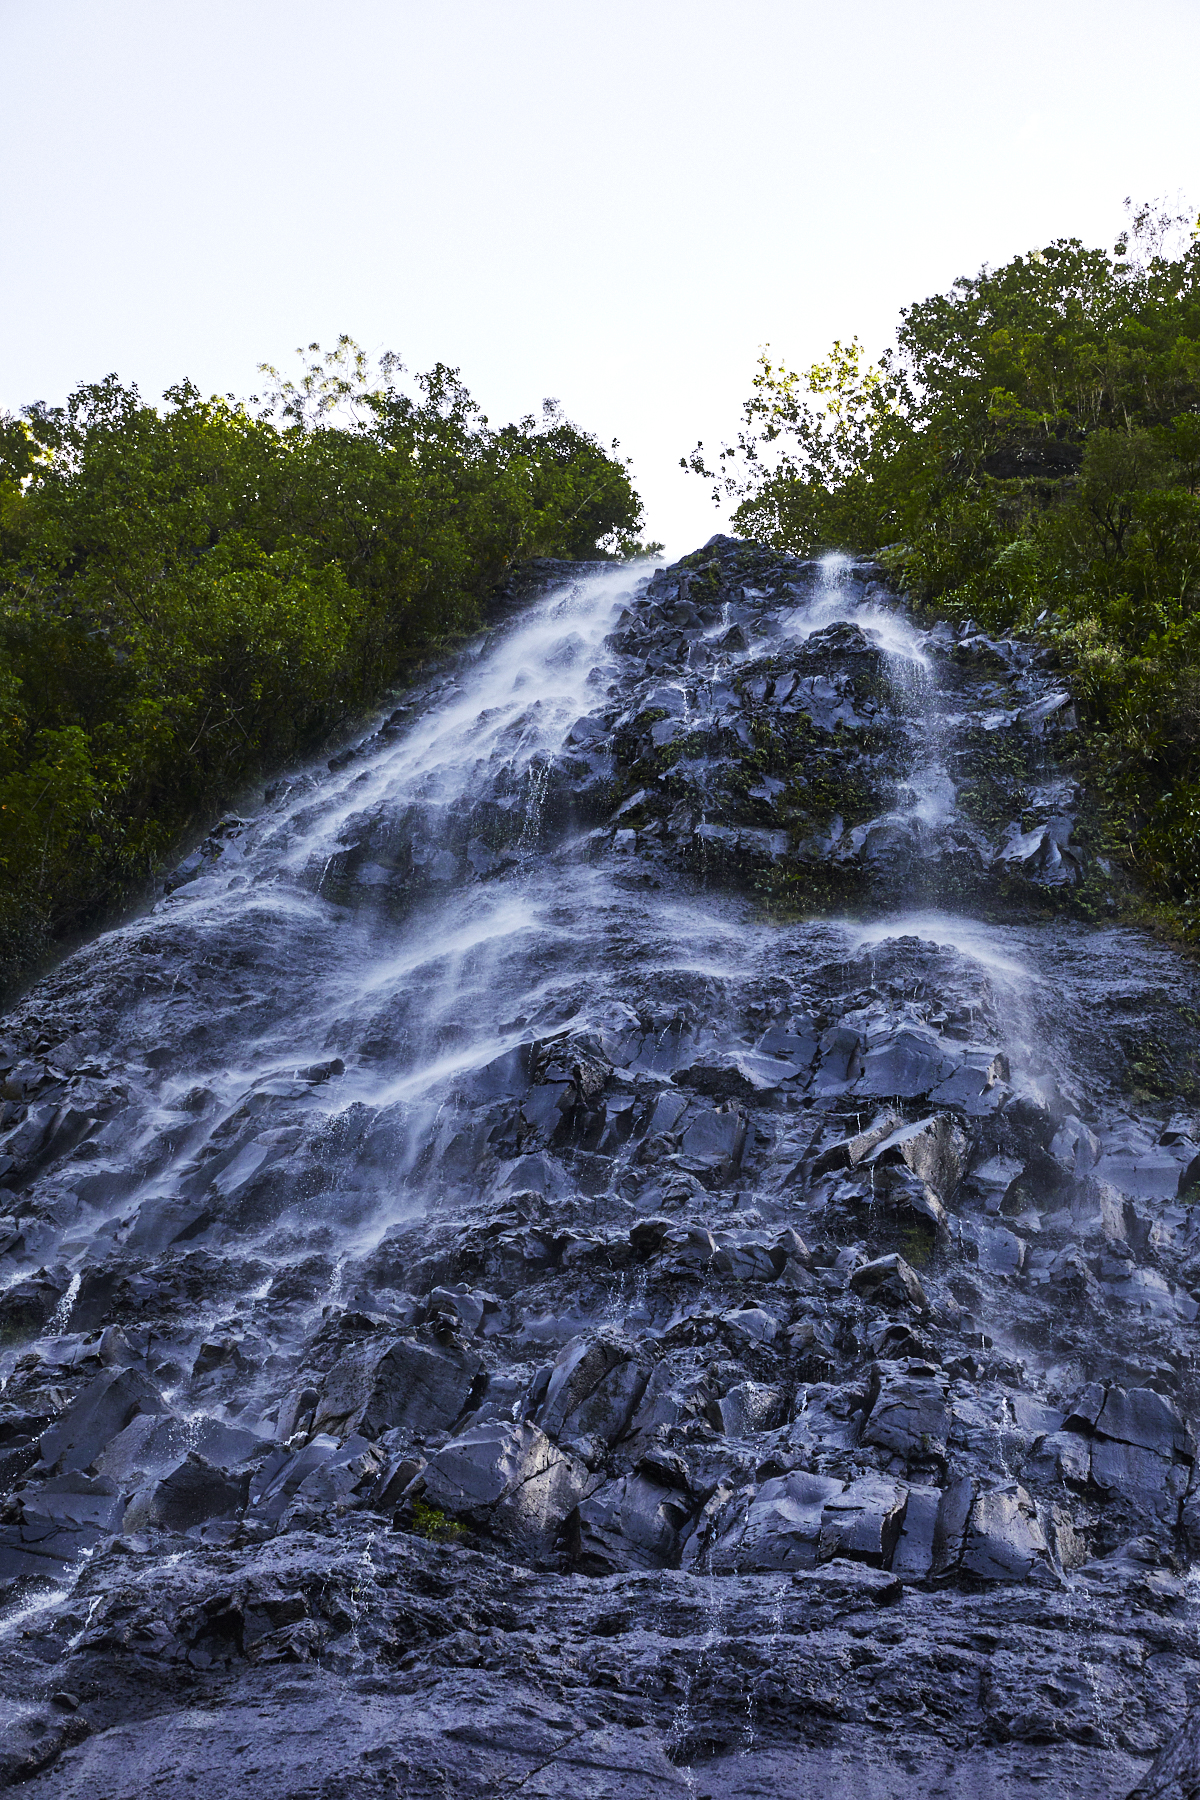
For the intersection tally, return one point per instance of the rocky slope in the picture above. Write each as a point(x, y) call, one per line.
point(632, 1236)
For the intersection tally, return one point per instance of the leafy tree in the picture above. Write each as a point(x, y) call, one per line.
point(1028, 451)
point(189, 594)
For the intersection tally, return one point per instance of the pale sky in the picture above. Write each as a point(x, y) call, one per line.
point(616, 204)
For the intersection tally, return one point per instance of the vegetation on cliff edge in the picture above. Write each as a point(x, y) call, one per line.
point(1028, 454)
point(191, 593)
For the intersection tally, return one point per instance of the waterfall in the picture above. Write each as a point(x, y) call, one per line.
point(629, 1233)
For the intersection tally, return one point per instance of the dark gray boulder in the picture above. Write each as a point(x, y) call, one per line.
point(593, 1392)
point(193, 1492)
point(889, 1281)
point(417, 1383)
point(909, 1416)
point(105, 1407)
point(633, 1522)
point(511, 1479)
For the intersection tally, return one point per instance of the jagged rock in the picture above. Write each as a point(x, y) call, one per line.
point(1139, 1475)
point(1142, 1417)
point(1063, 1455)
point(911, 1062)
point(60, 1520)
point(104, 1408)
point(634, 1522)
point(471, 1309)
point(777, 1526)
point(993, 1534)
point(932, 1148)
point(510, 1477)
point(864, 1521)
point(750, 1406)
point(888, 1281)
point(1175, 1774)
point(152, 1443)
point(909, 1416)
point(795, 1521)
point(1045, 854)
point(421, 1385)
point(913, 1555)
point(672, 1395)
point(714, 1140)
point(841, 1060)
point(794, 1046)
point(29, 1304)
point(751, 1325)
point(847, 1153)
point(593, 1391)
point(741, 1075)
point(195, 1491)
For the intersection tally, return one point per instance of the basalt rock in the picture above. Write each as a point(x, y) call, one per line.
point(631, 1236)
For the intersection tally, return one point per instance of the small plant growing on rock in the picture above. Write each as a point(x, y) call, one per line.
point(430, 1522)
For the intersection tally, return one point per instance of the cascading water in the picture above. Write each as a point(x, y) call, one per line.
point(619, 1239)
point(924, 806)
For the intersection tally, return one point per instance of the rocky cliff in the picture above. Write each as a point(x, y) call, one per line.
point(631, 1236)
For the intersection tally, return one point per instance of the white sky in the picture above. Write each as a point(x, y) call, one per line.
point(612, 203)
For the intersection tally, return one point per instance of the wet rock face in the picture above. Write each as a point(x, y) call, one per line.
point(837, 757)
point(490, 1307)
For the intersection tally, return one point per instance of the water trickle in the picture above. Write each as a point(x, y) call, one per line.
point(62, 1312)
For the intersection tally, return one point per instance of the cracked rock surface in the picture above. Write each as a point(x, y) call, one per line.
point(633, 1235)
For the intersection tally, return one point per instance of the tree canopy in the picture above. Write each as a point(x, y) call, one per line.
point(1028, 452)
point(192, 592)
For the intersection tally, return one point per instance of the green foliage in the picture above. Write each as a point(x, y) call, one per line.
point(804, 474)
point(190, 594)
point(1028, 453)
point(430, 1522)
